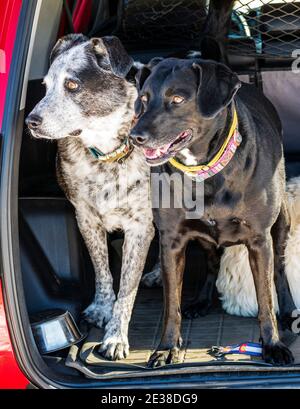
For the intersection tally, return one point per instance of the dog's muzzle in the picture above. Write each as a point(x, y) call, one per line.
point(33, 122)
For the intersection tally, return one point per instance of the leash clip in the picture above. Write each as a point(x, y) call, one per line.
point(217, 352)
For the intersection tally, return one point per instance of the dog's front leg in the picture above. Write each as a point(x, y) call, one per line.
point(261, 259)
point(100, 310)
point(135, 249)
point(172, 268)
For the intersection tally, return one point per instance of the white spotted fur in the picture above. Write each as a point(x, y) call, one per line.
point(106, 197)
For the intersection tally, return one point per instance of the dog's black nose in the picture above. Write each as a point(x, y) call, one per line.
point(33, 121)
point(139, 138)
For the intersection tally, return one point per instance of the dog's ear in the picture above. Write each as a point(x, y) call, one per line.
point(140, 78)
point(111, 55)
point(65, 43)
point(152, 63)
point(144, 72)
point(217, 86)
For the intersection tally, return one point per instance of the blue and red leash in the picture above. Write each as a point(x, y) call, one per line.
point(246, 348)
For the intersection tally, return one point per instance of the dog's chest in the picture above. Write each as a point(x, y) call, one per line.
point(227, 225)
point(227, 219)
point(119, 193)
point(224, 231)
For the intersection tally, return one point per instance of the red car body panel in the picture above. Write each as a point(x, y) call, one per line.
point(11, 376)
point(9, 17)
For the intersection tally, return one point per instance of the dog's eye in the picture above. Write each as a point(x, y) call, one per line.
point(177, 99)
point(71, 85)
point(144, 98)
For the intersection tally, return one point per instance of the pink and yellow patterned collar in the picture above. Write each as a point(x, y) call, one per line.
point(220, 160)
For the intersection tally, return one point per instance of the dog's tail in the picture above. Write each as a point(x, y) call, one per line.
point(219, 18)
point(217, 27)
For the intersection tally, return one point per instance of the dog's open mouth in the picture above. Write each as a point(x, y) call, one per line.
point(155, 156)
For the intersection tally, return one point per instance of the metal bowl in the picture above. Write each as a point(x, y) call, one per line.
point(55, 330)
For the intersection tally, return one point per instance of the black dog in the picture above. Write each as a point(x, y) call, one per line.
point(186, 110)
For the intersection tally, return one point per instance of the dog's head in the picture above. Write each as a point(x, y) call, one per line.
point(85, 84)
point(178, 101)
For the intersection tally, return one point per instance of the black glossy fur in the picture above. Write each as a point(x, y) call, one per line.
point(244, 203)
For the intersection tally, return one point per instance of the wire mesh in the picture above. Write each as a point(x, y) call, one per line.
point(151, 23)
point(259, 27)
point(266, 27)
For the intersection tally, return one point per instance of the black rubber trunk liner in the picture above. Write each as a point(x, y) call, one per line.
point(217, 328)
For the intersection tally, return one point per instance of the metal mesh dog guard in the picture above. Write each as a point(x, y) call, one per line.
point(258, 27)
point(148, 23)
point(265, 27)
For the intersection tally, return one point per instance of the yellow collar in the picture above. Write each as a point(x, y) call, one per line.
point(118, 155)
point(220, 160)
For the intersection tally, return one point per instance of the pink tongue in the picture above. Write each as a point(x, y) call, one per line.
point(161, 151)
point(150, 153)
point(156, 153)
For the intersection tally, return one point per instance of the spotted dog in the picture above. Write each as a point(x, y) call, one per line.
point(88, 109)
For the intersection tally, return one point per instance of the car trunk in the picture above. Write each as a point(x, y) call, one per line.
point(56, 270)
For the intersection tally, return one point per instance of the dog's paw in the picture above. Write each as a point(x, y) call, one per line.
point(98, 314)
point(194, 310)
point(162, 358)
point(277, 354)
point(152, 279)
point(114, 347)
